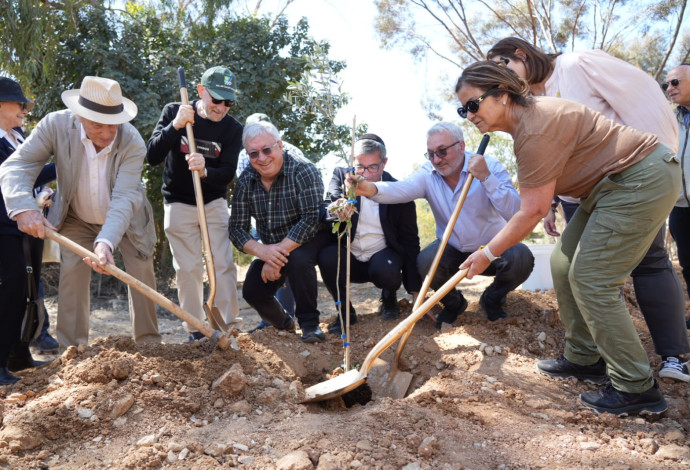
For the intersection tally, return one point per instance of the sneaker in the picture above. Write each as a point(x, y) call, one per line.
point(336, 329)
point(45, 344)
point(673, 368)
point(195, 336)
point(390, 310)
point(493, 312)
point(610, 400)
point(449, 315)
point(561, 368)
point(313, 335)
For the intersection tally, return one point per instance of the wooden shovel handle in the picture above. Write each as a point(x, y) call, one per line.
point(141, 287)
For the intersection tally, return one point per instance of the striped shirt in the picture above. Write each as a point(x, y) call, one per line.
point(289, 209)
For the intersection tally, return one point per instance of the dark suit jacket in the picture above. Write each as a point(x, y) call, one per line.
point(8, 226)
point(399, 224)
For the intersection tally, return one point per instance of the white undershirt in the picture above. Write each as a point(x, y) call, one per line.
point(369, 238)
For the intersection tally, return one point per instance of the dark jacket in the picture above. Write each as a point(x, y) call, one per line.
point(399, 224)
point(8, 226)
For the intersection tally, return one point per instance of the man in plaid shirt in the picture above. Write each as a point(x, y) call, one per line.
point(283, 194)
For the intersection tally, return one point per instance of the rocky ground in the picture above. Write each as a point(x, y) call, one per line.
point(476, 400)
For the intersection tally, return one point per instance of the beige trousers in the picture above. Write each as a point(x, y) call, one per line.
point(74, 294)
point(182, 229)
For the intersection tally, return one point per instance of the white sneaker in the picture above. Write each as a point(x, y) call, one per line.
point(673, 368)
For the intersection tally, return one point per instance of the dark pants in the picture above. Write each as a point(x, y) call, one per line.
point(13, 290)
point(658, 290)
point(383, 269)
point(301, 272)
point(509, 271)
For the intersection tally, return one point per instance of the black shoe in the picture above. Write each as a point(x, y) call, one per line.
point(390, 310)
point(195, 336)
point(610, 400)
point(449, 315)
point(493, 312)
point(313, 335)
point(45, 343)
point(562, 368)
point(27, 362)
point(6, 377)
point(336, 329)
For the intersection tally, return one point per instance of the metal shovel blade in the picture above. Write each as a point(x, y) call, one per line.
point(386, 381)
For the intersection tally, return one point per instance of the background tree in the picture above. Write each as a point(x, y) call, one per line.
point(50, 46)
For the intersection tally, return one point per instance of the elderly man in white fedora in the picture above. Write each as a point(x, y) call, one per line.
point(100, 202)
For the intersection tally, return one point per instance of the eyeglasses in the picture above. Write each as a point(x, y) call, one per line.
point(472, 106)
point(440, 153)
point(228, 103)
point(267, 151)
point(674, 82)
point(371, 168)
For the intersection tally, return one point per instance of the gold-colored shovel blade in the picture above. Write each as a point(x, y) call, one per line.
point(334, 387)
point(383, 385)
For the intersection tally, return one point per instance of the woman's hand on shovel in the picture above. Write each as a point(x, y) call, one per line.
point(475, 264)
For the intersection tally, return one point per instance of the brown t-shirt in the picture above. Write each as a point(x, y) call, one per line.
point(561, 140)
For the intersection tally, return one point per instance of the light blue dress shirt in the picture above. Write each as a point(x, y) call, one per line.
point(488, 205)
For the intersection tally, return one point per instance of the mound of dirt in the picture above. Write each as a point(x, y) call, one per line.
point(476, 401)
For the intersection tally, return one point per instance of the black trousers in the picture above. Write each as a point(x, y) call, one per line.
point(658, 290)
point(509, 271)
point(301, 272)
point(13, 290)
point(383, 269)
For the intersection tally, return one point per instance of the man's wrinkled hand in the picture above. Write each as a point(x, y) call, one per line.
point(475, 264)
point(270, 273)
point(341, 209)
point(105, 256)
point(32, 222)
point(185, 115)
point(274, 255)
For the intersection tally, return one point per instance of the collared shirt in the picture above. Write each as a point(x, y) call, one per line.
point(369, 238)
point(488, 205)
point(13, 137)
point(289, 209)
point(91, 200)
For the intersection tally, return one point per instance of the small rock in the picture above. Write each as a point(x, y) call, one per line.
point(305, 353)
point(412, 466)
point(81, 348)
point(119, 422)
point(84, 413)
point(498, 350)
point(297, 460)
point(246, 459)
point(183, 454)
point(365, 445)
point(218, 403)
point(70, 353)
point(482, 347)
point(121, 368)
point(240, 447)
point(649, 446)
point(148, 440)
point(16, 398)
point(174, 446)
point(241, 407)
point(232, 382)
point(122, 405)
point(589, 445)
point(269, 395)
point(18, 439)
point(171, 458)
point(674, 436)
point(428, 447)
point(489, 350)
point(355, 464)
point(215, 449)
point(673, 452)
point(541, 337)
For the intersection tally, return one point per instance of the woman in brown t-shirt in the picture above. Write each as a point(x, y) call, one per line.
point(628, 183)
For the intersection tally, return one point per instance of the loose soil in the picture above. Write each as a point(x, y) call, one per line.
point(476, 400)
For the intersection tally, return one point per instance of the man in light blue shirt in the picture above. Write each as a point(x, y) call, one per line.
point(491, 201)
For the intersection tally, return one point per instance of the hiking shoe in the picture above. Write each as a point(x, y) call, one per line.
point(45, 343)
point(313, 335)
point(195, 336)
point(493, 312)
point(673, 368)
point(610, 400)
point(390, 310)
point(336, 329)
point(449, 315)
point(561, 368)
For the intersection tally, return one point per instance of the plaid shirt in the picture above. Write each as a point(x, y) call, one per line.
point(290, 209)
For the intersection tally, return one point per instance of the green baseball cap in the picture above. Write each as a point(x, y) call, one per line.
point(220, 82)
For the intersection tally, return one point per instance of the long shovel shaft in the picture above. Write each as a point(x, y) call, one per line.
point(136, 284)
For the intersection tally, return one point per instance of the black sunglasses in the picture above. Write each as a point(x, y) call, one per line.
point(440, 153)
point(674, 82)
point(228, 103)
point(472, 106)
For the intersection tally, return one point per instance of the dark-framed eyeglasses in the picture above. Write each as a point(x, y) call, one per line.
point(675, 82)
point(472, 106)
point(227, 103)
point(267, 151)
point(371, 168)
point(440, 153)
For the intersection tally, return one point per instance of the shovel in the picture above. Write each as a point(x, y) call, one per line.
point(212, 313)
point(354, 378)
point(395, 382)
point(223, 341)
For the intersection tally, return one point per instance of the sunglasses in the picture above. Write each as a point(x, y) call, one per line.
point(267, 151)
point(674, 82)
point(472, 106)
point(227, 103)
point(440, 153)
point(371, 168)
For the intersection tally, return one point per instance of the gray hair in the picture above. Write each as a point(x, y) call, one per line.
point(258, 128)
point(366, 146)
point(452, 129)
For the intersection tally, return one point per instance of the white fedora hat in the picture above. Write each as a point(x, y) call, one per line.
point(100, 100)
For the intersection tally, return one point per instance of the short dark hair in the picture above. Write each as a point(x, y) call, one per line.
point(539, 64)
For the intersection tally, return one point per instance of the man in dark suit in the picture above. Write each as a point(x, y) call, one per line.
point(384, 243)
